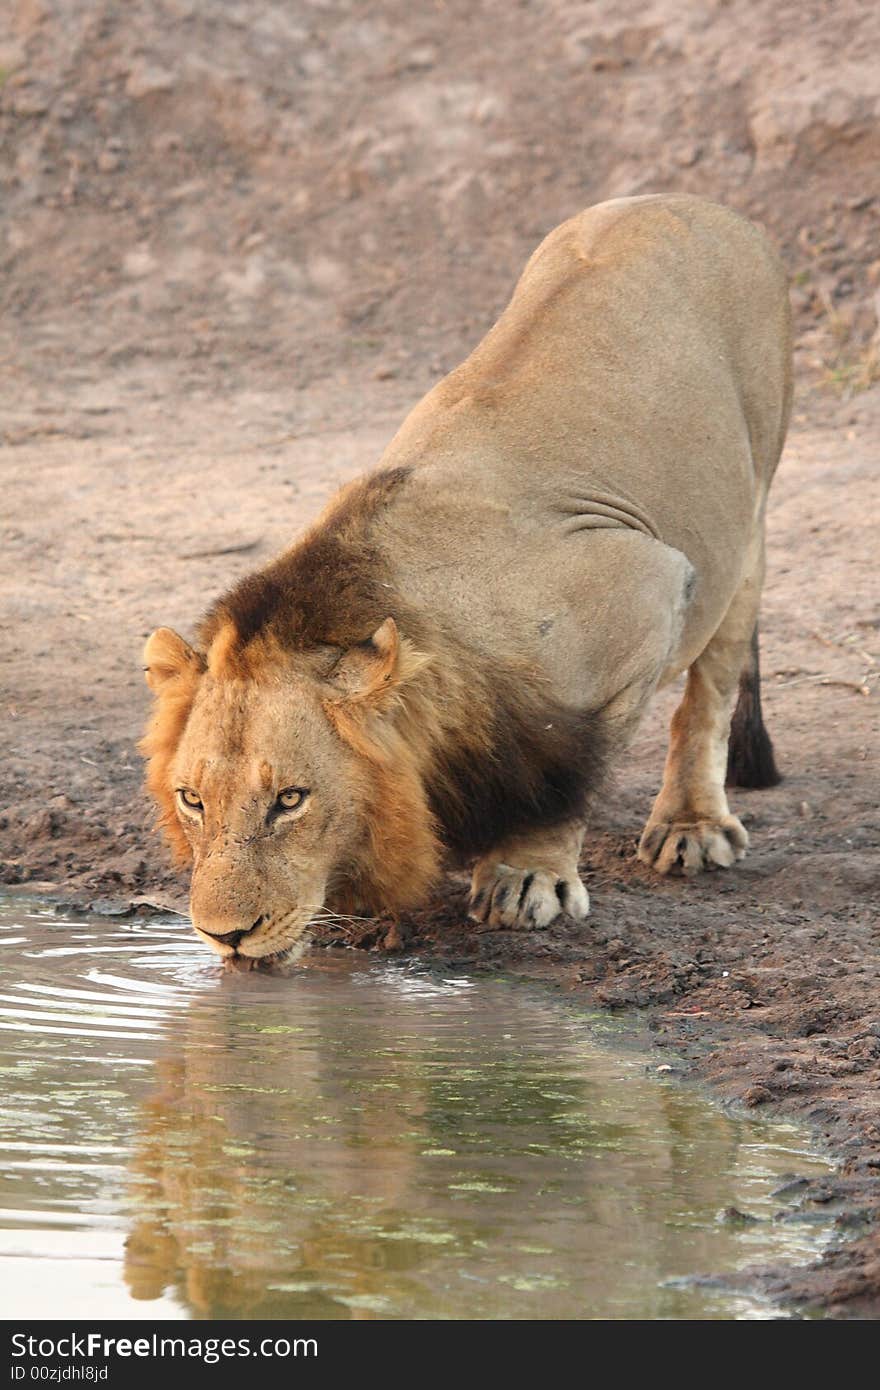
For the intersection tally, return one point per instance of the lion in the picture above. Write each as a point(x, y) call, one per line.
point(446, 664)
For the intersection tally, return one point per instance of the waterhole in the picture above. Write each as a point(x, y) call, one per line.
point(357, 1140)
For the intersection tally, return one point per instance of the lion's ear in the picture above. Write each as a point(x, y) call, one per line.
point(370, 673)
point(167, 656)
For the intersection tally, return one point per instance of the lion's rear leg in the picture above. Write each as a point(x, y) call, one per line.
point(530, 880)
point(691, 826)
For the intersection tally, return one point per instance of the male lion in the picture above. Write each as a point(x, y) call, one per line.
point(448, 659)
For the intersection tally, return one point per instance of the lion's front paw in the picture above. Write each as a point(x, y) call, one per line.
point(523, 899)
point(688, 847)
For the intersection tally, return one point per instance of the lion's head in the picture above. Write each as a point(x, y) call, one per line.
point(284, 779)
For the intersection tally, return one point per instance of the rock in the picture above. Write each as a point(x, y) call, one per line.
point(732, 1216)
point(688, 155)
point(145, 80)
point(757, 1095)
point(111, 907)
point(30, 101)
point(139, 262)
point(790, 1186)
point(421, 58)
point(44, 824)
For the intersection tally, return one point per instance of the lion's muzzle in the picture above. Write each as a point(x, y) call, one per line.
point(232, 938)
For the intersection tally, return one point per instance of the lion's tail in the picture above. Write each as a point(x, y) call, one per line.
point(750, 760)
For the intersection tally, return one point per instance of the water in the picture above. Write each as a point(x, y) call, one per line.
point(359, 1140)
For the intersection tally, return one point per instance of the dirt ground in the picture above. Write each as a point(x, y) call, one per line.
point(237, 242)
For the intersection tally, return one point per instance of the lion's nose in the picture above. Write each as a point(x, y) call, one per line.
point(232, 938)
point(229, 938)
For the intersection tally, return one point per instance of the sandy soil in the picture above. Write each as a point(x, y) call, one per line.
point(235, 249)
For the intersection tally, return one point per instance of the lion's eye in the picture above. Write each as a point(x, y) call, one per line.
point(290, 798)
point(189, 798)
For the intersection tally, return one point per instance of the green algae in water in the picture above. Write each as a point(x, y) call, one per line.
point(356, 1140)
point(477, 1186)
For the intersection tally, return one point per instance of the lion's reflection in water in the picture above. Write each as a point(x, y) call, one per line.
point(362, 1144)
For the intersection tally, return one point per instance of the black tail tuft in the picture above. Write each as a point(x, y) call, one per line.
point(750, 760)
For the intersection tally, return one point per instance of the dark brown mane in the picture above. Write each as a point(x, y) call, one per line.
point(327, 589)
point(527, 762)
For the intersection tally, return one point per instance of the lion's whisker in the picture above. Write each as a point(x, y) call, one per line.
point(326, 914)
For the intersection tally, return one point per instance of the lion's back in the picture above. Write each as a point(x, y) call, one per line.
point(644, 300)
point(642, 367)
point(647, 342)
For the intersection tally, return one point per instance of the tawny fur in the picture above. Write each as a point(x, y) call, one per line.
point(448, 658)
point(179, 680)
